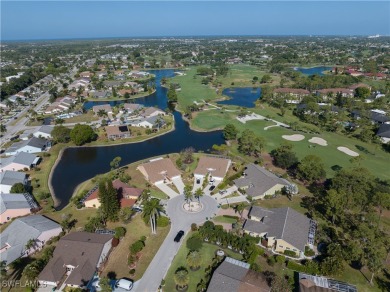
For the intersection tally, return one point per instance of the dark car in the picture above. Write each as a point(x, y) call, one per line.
point(211, 188)
point(198, 181)
point(178, 236)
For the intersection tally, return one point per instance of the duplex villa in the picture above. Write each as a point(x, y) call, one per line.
point(16, 205)
point(8, 178)
point(214, 167)
point(281, 229)
point(127, 195)
point(14, 238)
point(236, 276)
point(160, 170)
point(76, 259)
point(20, 161)
point(259, 182)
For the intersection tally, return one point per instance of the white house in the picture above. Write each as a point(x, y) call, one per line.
point(33, 145)
point(214, 167)
point(44, 132)
point(8, 178)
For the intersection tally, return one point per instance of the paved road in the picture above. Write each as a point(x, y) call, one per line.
point(180, 220)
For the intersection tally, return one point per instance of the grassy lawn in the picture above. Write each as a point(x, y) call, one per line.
point(117, 262)
point(374, 158)
point(84, 118)
point(138, 95)
point(207, 252)
point(222, 219)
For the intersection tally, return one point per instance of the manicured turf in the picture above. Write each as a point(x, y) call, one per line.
point(207, 252)
point(222, 219)
point(374, 158)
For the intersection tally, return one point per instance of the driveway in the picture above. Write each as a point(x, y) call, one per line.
point(167, 190)
point(180, 220)
point(233, 200)
point(229, 191)
point(177, 181)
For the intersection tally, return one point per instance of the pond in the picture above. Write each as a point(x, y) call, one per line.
point(241, 96)
point(82, 163)
point(313, 70)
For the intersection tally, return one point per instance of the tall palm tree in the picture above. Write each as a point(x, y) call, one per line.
point(199, 193)
point(188, 193)
point(151, 212)
point(194, 260)
point(240, 208)
point(181, 278)
point(30, 244)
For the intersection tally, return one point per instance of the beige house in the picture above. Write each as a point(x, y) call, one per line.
point(16, 205)
point(281, 229)
point(117, 132)
point(161, 170)
point(259, 182)
point(215, 167)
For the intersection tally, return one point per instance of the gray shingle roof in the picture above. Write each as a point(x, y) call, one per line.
point(45, 129)
point(234, 275)
point(13, 201)
point(23, 158)
point(33, 142)
point(79, 249)
point(258, 180)
point(20, 231)
point(10, 178)
point(281, 223)
point(384, 131)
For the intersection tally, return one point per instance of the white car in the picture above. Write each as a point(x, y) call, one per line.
point(124, 284)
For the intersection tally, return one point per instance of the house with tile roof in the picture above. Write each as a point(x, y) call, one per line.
point(235, 276)
point(160, 170)
point(20, 161)
point(281, 229)
point(214, 167)
point(115, 132)
point(259, 182)
point(8, 178)
point(16, 205)
point(127, 195)
point(76, 259)
point(14, 238)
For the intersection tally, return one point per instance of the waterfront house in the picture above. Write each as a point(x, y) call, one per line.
point(292, 95)
point(19, 161)
point(8, 178)
point(151, 112)
point(44, 132)
point(150, 122)
point(117, 132)
point(160, 170)
point(215, 167)
point(32, 145)
point(76, 259)
point(236, 276)
point(105, 107)
point(281, 229)
point(36, 228)
point(16, 205)
point(101, 94)
point(259, 182)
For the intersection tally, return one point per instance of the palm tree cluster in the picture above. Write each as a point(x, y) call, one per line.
point(152, 210)
point(181, 278)
point(245, 244)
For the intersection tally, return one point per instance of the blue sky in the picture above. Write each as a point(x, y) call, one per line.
point(93, 19)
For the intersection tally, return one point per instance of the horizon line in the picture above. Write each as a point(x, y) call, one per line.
point(190, 36)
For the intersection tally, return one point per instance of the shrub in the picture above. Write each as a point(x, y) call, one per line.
point(231, 217)
point(194, 227)
point(162, 221)
point(132, 271)
point(194, 243)
point(271, 261)
point(143, 238)
point(280, 259)
point(290, 253)
point(137, 246)
point(309, 252)
point(120, 232)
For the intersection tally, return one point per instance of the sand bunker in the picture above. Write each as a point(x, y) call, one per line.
point(319, 141)
point(295, 137)
point(348, 151)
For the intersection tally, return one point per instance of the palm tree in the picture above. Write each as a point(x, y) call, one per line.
point(152, 210)
point(194, 260)
point(199, 193)
point(101, 113)
point(240, 208)
point(181, 277)
point(188, 193)
point(30, 244)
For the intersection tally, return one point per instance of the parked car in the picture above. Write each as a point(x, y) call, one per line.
point(124, 284)
point(211, 188)
point(178, 236)
point(198, 180)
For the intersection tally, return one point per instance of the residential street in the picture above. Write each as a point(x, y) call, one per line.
point(180, 220)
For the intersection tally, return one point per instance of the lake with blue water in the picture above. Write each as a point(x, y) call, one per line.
point(314, 70)
point(82, 163)
point(241, 96)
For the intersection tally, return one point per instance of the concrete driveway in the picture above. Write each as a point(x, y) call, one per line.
point(180, 220)
point(167, 190)
point(178, 182)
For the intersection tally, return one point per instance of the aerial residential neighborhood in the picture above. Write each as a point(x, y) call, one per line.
point(195, 146)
